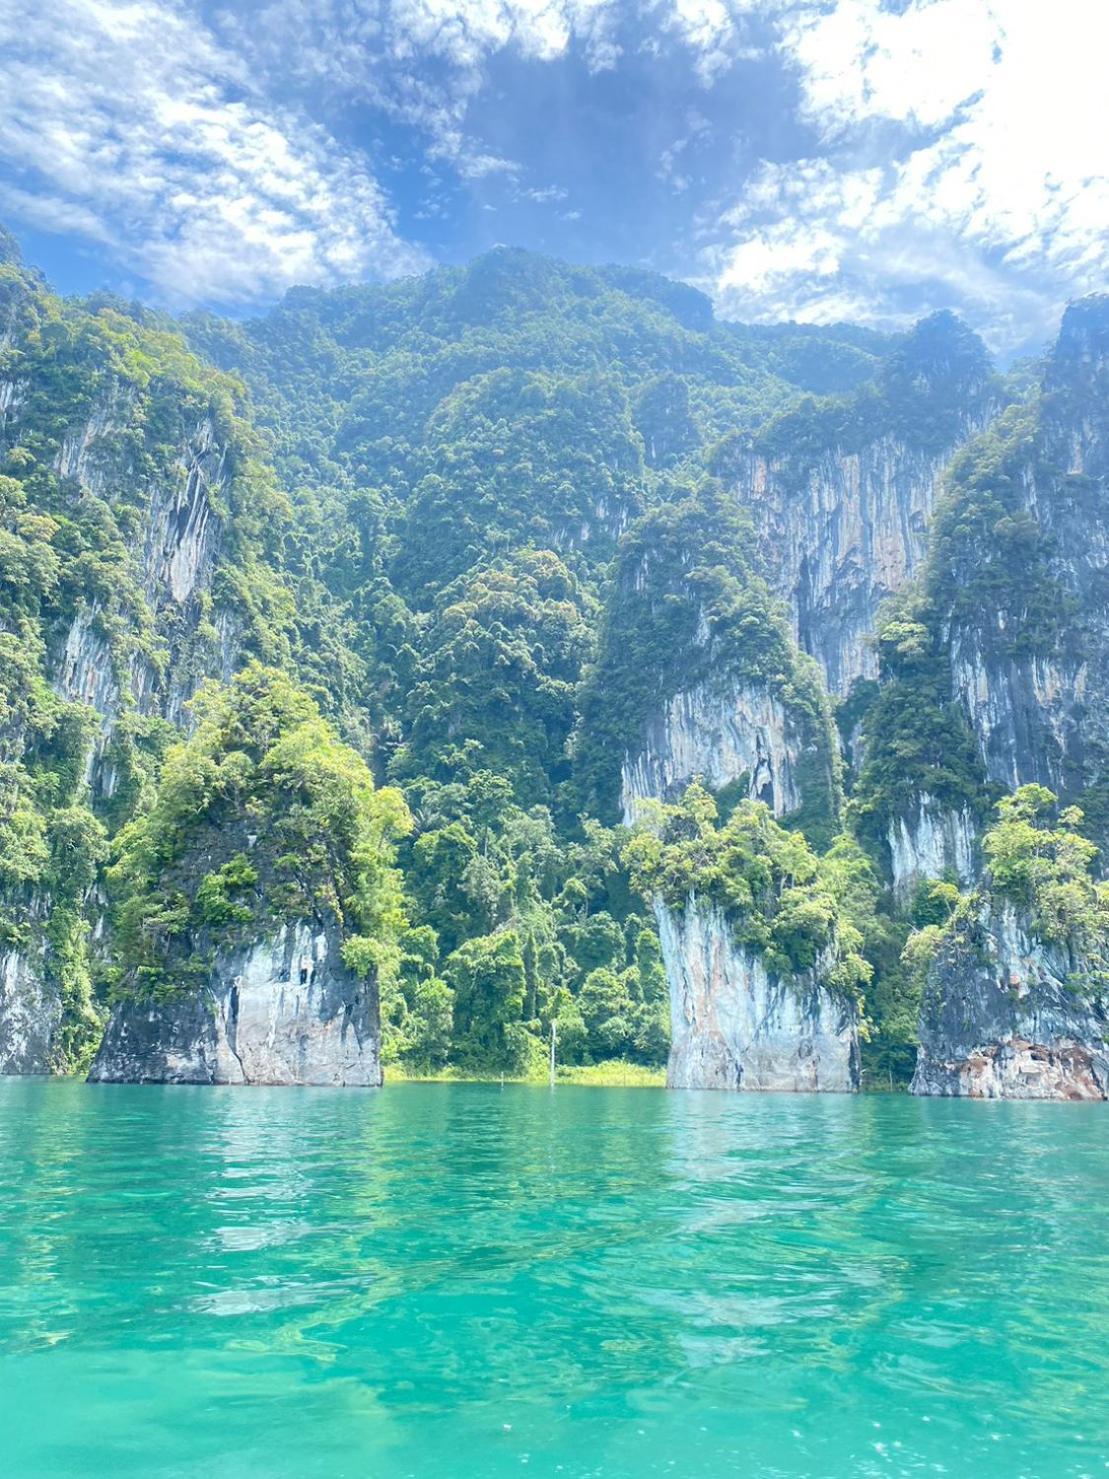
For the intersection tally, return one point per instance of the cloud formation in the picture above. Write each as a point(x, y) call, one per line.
point(959, 144)
point(821, 158)
point(130, 125)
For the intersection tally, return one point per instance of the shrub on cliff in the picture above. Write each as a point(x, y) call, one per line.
point(262, 816)
point(1039, 864)
point(783, 901)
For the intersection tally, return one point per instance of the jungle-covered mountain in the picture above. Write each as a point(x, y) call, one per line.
point(489, 563)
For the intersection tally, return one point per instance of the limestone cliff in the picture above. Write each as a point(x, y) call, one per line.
point(1021, 574)
point(1006, 1017)
point(282, 1010)
point(733, 1026)
point(173, 566)
point(842, 492)
point(723, 733)
point(723, 697)
point(30, 1011)
point(933, 841)
point(127, 466)
point(95, 660)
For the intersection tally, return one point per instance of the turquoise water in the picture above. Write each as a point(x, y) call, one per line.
point(465, 1280)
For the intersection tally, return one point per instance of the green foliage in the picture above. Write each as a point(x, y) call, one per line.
point(1040, 865)
point(487, 977)
point(688, 606)
point(1039, 861)
point(781, 902)
point(482, 868)
point(1008, 588)
point(262, 814)
point(488, 557)
point(496, 688)
point(916, 736)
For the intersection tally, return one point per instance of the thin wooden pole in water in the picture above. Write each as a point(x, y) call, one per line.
point(554, 1040)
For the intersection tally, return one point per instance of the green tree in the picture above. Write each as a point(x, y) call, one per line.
point(262, 815)
point(487, 977)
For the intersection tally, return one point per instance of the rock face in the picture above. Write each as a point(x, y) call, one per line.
point(92, 658)
point(1035, 689)
point(851, 533)
point(284, 1011)
point(174, 567)
point(932, 842)
point(734, 1027)
point(721, 733)
point(843, 495)
point(30, 1011)
point(1000, 1021)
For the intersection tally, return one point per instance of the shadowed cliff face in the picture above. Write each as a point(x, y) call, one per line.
point(283, 1010)
point(1011, 611)
point(1002, 1019)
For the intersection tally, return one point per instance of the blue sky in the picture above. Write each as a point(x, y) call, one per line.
point(814, 159)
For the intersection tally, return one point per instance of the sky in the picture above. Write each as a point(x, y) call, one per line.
point(869, 160)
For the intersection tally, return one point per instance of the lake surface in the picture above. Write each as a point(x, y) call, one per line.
point(467, 1280)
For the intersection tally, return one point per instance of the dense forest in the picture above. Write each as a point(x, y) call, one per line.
point(365, 607)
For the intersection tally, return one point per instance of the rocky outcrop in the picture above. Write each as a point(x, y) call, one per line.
point(733, 1026)
point(1006, 1017)
point(284, 1010)
point(721, 733)
point(1030, 662)
point(931, 842)
point(843, 492)
point(174, 569)
point(184, 531)
point(839, 542)
point(93, 661)
point(30, 1011)
point(1023, 711)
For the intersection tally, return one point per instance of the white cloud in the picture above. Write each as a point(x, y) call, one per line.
point(545, 194)
point(963, 147)
point(714, 30)
point(377, 50)
point(129, 123)
point(957, 148)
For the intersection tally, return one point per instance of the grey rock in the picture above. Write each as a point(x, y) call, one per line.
point(284, 1010)
point(853, 533)
point(30, 1011)
point(733, 1026)
point(1000, 1021)
point(931, 842)
point(720, 732)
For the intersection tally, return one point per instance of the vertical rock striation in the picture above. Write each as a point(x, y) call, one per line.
point(30, 1011)
point(931, 842)
point(127, 464)
point(733, 1026)
point(851, 533)
point(842, 491)
point(283, 1010)
point(723, 733)
point(173, 568)
point(1030, 659)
